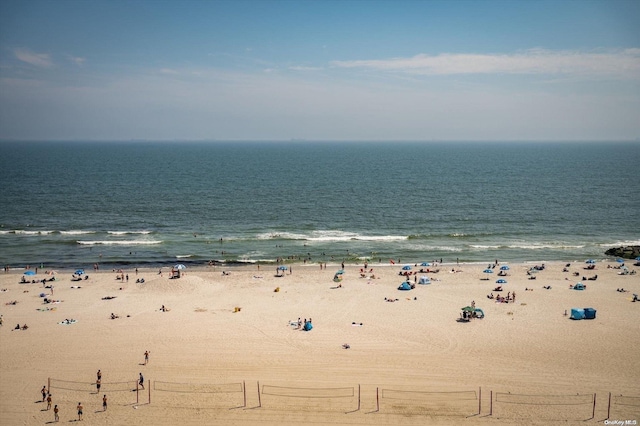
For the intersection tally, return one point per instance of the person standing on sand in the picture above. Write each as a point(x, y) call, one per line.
point(48, 402)
point(44, 393)
point(99, 375)
point(79, 408)
point(146, 356)
point(98, 384)
point(55, 413)
point(104, 403)
point(141, 381)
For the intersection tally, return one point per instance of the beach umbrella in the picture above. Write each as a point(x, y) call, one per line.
point(468, 309)
point(30, 273)
point(590, 261)
point(406, 268)
point(504, 268)
point(620, 260)
point(501, 281)
point(638, 258)
point(340, 272)
point(180, 266)
point(488, 271)
point(282, 268)
point(79, 271)
point(425, 264)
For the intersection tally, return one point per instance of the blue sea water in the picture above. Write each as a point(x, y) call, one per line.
point(72, 204)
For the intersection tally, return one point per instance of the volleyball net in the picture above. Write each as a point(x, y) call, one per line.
point(123, 393)
point(200, 395)
point(429, 402)
point(623, 406)
point(293, 398)
point(543, 406)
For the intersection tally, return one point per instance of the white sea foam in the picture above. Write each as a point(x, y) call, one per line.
point(622, 243)
point(76, 232)
point(119, 243)
point(128, 232)
point(23, 232)
point(183, 256)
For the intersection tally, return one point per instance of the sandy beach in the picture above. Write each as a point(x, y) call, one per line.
point(227, 349)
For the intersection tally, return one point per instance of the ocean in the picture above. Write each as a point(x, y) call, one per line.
point(144, 204)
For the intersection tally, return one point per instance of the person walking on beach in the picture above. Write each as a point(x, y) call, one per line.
point(104, 403)
point(44, 393)
point(55, 413)
point(79, 408)
point(141, 381)
point(48, 402)
point(98, 384)
point(99, 375)
point(146, 354)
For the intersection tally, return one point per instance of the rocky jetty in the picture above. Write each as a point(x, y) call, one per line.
point(628, 252)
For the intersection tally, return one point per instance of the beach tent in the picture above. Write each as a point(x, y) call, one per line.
point(488, 271)
point(405, 286)
point(504, 268)
point(479, 312)
point(424, 280)
point(590, 261)
point(307, 326)
point(406, 268)
point(577, 313)
point(589, 313)
point(578, 286)
point(428, 264)
point(501, 281)
point(30, 273)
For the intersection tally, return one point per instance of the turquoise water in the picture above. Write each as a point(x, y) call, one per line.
point(141, 203)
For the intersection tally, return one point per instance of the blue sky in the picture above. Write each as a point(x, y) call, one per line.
point(320, 70)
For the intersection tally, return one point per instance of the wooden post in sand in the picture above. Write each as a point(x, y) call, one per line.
point(593, 413)
point(149, 384)
point(358, 397)
point(259, 399)
point(609, 407)
point(377, 399)
point(479, 400)
point(244, 392)
point(49, 387)
point(137, 392)
point(491, 403)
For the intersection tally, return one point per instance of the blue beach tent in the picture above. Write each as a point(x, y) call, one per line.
point(578, 286)
point(589, 313)
point(577, 313)
point(405, 286)
point(308, 326)
point(424, 280)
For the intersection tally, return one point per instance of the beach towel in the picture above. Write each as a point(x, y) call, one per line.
point(69, 322)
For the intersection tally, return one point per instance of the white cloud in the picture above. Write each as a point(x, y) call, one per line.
point(77, 60)
point(38, 59)
point(624, 62)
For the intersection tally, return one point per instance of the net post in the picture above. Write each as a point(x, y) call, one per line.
point(358, 397)
point(149, 391)
point(259, 398)
point(377, 398)
point(609, 407)
point(137, 392)
point(491, 403)
point(49, 385)
point(244, 393)
point(593, 412)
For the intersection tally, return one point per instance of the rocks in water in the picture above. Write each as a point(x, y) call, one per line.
point(627, 252)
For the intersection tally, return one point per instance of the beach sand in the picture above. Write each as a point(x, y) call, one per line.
point(410, 361)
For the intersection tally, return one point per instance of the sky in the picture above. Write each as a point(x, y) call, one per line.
point(519, 70)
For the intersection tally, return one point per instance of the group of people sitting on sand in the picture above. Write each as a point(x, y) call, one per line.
point(140, 281)
point(621, 290)
point(24, 327)
point(75, 277)
point(501, 299)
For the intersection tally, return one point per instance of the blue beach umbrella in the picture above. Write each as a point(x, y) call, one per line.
point(79, 271)
point(504, 268)
point(282, 268)
point(30, 273)
point(620, 260)
point(638, 258)
point(340, 272)
point(488, 271)
point(180, 266)
point(406, 268)
point(501, 281)
point(590, 261)
point(425, 264)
